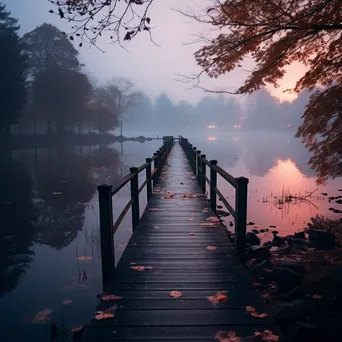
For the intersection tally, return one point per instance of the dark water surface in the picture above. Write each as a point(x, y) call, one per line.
point(49, 215)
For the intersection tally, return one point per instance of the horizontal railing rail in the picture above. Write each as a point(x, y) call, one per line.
point(107, 192)
point(199, 164)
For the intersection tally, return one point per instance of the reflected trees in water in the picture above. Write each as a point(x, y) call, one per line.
point(18, 228)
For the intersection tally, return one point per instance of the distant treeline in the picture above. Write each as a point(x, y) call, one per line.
point(45, 91)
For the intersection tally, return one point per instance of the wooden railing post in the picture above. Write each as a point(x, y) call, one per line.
point(135, 197)
point(213, 184)
point(198, 166)
point(160, 161)
point(240, 217)
point(190, 154)
point(193, 159)
point(106, 232)
point(156, 166)
point(203, 172)
point(148, 177)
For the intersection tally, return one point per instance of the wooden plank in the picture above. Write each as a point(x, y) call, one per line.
point(173, 333)
point(180, 318)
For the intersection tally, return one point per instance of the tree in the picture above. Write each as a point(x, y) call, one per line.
point(12, 71)
point(123, 95)
point(103, 114)
point(61, 96)
point(47, 47)
point(164, 111)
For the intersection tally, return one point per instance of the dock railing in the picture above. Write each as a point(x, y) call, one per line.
point(153, 168)
point(199, 165)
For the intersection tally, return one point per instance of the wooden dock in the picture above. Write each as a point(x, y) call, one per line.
point(182, 249)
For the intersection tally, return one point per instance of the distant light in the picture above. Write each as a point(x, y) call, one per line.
point(237, 126)
point(211, 138)
point(212, 126)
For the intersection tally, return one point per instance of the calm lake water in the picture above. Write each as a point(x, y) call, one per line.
point(50, 210)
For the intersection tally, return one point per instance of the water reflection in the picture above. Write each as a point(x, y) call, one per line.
point(18, 229)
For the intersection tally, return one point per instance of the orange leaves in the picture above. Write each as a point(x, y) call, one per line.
point(227, 336)
point(190, 219)
point(205, 210)
point(110, 297)
point(141, 268)
point(266, 335)
point(219, 298)
point(252, 311)
point(208, 224)
point(84, 258)
point(230, 336)
point(213, 219)
point(42, 316)
point(175, 294)
point(103, 315)
point(167, 197)
point(106, 314)
point(212, 248)
point(192, 234)
point(189, 195)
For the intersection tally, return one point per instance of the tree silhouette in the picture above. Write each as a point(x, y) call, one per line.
point(164, 111)
point(102, 113)
point(17, 230)
point(60, 96)
point(46, 47)
point(12, 71)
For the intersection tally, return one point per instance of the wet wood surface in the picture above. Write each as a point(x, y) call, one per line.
point(172, 240)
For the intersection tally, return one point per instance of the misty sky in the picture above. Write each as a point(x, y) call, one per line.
point(153, 69)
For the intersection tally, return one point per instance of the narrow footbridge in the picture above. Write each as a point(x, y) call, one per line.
point(180, 277)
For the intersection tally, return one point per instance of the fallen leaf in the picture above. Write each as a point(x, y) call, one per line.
point(122, 246)
point(266, 335)
point(227, 336)
point(103, 315)
point(190, 219)
point(176, 294)
point(208, 224)
point(252, 311)
point(213, 219)
point(77, 329)
point(156, 227)
point(189, 196)
point(67, 302)
point(141, 268)
point(133, 263)
point(168, 197)
point(84, 258)
point(212, 248)
point(192, 234)
point(156, 209)
point(219, 298)
point(42, 316)
point(57, 193)
point(110, 297)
